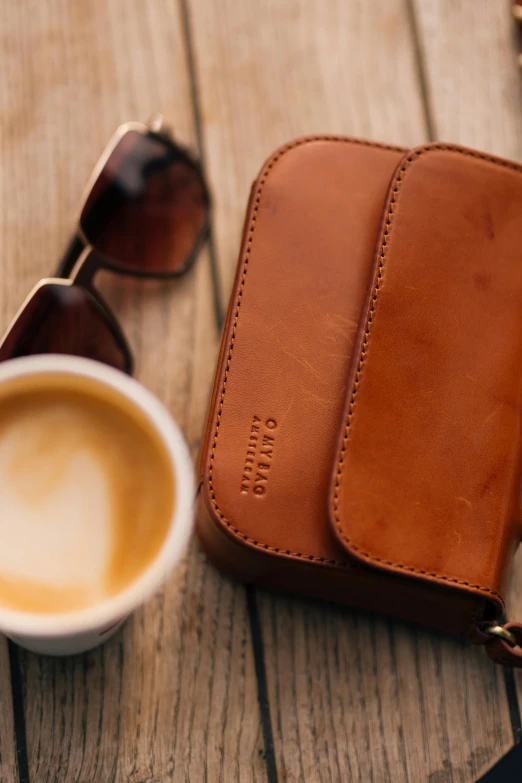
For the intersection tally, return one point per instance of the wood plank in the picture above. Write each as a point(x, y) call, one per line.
point(472, 79)
point(17, 245)
point(8, 750)
point(173, 697)
point(272, 72)
point(474, 91)
point(352, 697)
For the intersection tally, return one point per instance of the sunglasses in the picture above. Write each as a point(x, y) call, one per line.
point(145, 213)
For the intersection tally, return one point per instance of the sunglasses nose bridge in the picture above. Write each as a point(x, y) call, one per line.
point(85, 268)
point(70, 258)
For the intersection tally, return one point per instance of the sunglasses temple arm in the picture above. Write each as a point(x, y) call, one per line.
point(70, 257)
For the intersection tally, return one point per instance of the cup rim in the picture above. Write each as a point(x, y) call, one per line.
point(113, 609)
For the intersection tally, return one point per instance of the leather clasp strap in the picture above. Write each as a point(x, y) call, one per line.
point(506, 648)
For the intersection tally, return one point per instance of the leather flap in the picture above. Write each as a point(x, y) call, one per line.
point(426, 480)
point(301, 282)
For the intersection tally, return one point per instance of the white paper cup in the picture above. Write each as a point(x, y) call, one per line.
point(74, 632)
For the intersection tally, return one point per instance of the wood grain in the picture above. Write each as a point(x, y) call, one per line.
point(474, 88)
point(352, 697)
point(173, 697)
point(274, 71)
point(8, 759)
point(363, 698)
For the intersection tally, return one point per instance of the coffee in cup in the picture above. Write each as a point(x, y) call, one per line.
point(95, 499)
point(86, 493)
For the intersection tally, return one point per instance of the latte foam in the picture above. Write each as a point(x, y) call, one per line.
point(86, 493)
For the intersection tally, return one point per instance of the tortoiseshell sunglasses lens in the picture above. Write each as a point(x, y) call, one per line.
point(148, 210)
point(61, 318)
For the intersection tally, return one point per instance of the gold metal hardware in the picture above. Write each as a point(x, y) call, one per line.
point(502, 633)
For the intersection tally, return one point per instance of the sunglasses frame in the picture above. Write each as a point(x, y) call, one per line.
point(104, 312)
point(80, 242)
point(81, 260)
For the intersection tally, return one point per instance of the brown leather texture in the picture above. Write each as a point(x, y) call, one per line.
point(427, 479)
point(276, 459)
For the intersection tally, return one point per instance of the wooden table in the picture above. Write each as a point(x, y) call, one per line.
point(211, 681)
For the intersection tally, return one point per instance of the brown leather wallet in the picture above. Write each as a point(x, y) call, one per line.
point(363, 442)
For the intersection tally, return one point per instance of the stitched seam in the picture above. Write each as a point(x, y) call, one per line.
point(269, 166)
point(364, 349)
